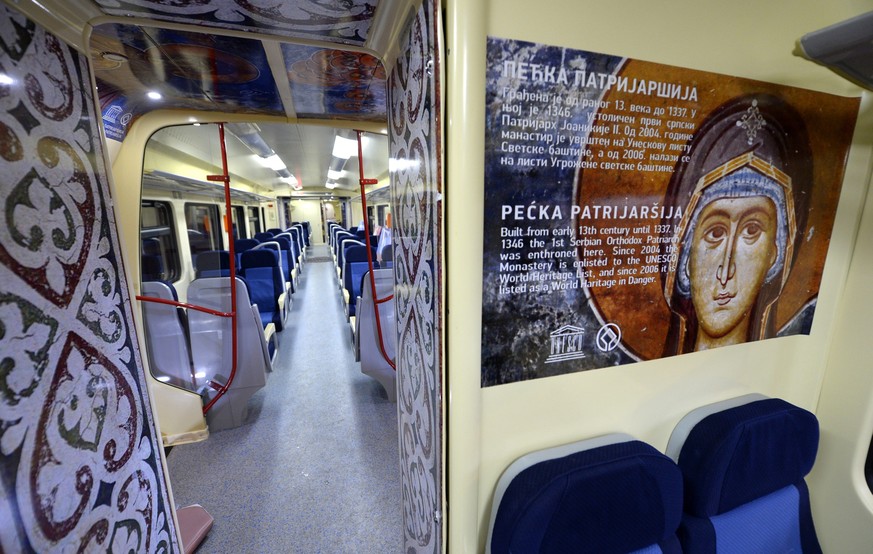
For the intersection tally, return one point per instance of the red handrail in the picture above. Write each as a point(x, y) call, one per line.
point(376, 300)
point(178, 304)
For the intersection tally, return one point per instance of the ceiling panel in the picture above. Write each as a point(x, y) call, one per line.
point(338, 21)
point(192, 71)
point(335, 84)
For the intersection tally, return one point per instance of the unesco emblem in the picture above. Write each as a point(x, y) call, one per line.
point(566, 344)
point(608, 337)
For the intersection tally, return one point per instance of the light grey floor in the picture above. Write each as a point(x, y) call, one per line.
point(315, 467)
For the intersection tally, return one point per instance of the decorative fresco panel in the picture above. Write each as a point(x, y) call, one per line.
point(193, 71)
point(339, 21)
point(414, 130)
point(335, 84)
point(80, 467)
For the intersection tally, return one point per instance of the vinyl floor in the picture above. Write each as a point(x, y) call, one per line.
point(315, 466)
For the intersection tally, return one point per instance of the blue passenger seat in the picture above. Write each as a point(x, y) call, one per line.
point(288, 260)
point(263, 275)
point(307, 232)
point(355, 265)
point(297, 237)
point(743, 462)
point(610, 494)
point(240, 246)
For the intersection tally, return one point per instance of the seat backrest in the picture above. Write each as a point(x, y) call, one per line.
point(307, 231)
point(355, 265)
point(297, 237)
point(607, 494)
point(212, 263)
point(167, 348)
point(344, 243)
point(274, 230)
point(240, 246)
point(264, 236)
point(294, 247)
point(263, 275)
point(743, 463)
point(211, 348)
point(373, 363)
point(338, 238)
point(151, 267)
point(287, 255)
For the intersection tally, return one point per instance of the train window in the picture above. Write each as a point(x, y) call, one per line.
point(381, 210)
point(204, 227)
point(240, 225)
point(158, 242)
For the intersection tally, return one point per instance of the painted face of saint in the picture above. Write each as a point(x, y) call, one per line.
point(734, 245)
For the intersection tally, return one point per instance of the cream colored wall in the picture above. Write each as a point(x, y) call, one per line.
point(309, 210)
point(489, 428)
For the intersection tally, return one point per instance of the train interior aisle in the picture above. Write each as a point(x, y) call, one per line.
point(314, 466)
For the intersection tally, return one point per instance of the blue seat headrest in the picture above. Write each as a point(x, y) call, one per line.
point(357, 253)
point(151, 267)
point(262, 257)
point(620, 497)
point(241, 245)
point(284, 242)
point(212, 259)
point(746, 452)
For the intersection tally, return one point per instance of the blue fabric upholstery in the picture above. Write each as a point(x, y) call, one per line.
point(344, 243)
point(151, 267)
point(355, 266)
point(212, 263)
point(297, 238)
point(288, 258)
point(263, 276)
point(743, 471)
point(621, 497)
point(307, 231)
point(294, 253)
point(338, 239)
point(240, 246)
point(264, 237)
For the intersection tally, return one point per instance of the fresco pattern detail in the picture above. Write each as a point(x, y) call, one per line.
point(416, 184)
point(340, 21)
point(80, 468)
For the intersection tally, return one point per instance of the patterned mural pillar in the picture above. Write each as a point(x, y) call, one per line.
point(416, 181)
point(80, 469)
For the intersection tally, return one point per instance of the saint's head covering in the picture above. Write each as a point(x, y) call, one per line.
point(754, 145)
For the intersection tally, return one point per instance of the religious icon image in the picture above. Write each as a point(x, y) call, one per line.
point(744, 189)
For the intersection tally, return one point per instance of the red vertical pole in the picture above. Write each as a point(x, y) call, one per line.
point(225, 178)
point(362, 181)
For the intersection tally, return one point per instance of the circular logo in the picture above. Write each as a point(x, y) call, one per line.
point(608, 337)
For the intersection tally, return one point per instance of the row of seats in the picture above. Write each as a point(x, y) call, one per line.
point(191, 348)
point(731, 481)
point(349, 251)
